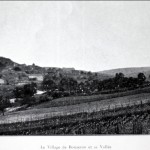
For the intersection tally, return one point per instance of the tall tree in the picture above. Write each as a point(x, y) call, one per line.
point(68, 84)
point(4, 103)
point(141, 77)
point(119, 75)
point(48, 84)
point(30, 89)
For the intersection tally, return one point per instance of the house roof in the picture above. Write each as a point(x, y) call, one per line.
point(2, 81)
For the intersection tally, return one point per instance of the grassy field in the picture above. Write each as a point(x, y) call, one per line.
point(118, 113)
point(66, 101)
point(49, 112)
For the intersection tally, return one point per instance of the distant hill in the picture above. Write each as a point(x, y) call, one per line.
point(5, 62)
point(7, 69)
point(12, 72)
point(129, 72)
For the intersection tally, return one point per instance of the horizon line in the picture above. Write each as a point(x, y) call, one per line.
point(127, 67)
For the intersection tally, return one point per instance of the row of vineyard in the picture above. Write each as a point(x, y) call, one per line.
point(130, 120)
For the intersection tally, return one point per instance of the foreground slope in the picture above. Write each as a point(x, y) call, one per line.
point(37, 114)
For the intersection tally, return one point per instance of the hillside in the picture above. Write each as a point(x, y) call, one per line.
point(92, 107)
point(128, 72)
point(6, 62)
point(10, 70)
point(48, 112)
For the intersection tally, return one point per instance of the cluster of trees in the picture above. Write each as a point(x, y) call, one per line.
point(121, 82)
point(26, 90)
point(26, 93)
point(92, 86)
point(65, 84)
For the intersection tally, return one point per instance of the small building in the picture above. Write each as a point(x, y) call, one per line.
point(12, 100)
point(2, 81)
point(39, 92)
point(22, 83)
point(38, 77)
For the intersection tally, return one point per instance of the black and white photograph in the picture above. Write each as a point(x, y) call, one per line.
point(74, 68)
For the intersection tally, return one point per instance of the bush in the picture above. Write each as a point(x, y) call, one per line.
point(28, 100)
point(66, 94)
point(17, 68)
point(44, 98)
point(57, 94)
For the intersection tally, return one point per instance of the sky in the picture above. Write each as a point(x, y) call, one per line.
point(86, 35)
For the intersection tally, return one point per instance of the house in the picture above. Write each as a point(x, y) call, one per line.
point(38, 77)
point(22, 83)
point(39, 92)
point(12, 100)
point(2, 81)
